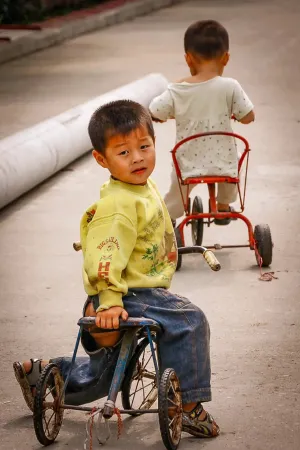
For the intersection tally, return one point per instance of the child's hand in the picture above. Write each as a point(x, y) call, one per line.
point(109, 318)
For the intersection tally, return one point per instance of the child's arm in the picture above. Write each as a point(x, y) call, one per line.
point(162, 108)
point(242, 107)
point(248, 118)
point(109, 243)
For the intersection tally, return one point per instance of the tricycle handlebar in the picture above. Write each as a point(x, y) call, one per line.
point(130, 322)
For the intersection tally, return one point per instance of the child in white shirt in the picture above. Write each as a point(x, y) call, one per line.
point(204, 102)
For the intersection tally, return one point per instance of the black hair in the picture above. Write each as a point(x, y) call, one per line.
point(207, 39)
point(117, 117)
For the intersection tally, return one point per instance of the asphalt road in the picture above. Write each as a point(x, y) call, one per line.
point(255, 340)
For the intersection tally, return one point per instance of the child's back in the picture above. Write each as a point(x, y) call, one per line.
point(200, 107)
point(204, 102)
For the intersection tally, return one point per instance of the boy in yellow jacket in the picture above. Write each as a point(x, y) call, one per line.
point(130, 254)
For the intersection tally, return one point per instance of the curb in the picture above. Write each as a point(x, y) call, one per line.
point(29, 157)
point(48, 37)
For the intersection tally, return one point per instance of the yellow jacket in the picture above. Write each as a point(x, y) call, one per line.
point(127, 241)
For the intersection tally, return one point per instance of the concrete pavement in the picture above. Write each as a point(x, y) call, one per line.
point(255, 325)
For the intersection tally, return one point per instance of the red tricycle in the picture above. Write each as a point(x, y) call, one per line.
point(260, 239)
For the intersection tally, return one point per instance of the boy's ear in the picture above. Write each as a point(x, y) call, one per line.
point(100, 158)
point(225, 58)
point(188, 59)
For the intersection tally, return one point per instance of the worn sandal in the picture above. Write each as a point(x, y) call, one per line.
point(27, 381)
point(226, 220)
point(206, 428)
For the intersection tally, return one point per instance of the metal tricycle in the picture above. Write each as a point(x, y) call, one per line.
point(259, 239)
point(137, 375)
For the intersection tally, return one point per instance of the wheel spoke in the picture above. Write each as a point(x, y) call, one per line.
point(47, 406)
point(150, 375)
point(174, 390)
point(44, 419)
point(145, 365)
point(58, 384)
point(143, 358)
point(171, 401)
point(173, 425)
point(50, 418)
point(143, 390)
point(171, 421)
point(171, 386)
point(50, 392)
point(135, 393)
point(138, 390)
point(149, 393)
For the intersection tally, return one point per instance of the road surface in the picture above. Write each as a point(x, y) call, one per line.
point(255, 331)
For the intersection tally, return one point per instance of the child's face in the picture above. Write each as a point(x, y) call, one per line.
point(129, 158)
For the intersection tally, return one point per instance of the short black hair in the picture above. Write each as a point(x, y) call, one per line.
point(117, 117)
point(207, 39)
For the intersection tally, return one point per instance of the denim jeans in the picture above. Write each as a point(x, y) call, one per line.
point(183, 346)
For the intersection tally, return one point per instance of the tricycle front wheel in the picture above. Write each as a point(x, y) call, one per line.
point(48, 414)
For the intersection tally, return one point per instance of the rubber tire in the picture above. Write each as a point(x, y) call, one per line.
point(262, 235)
point(163, 406)
point(38, 407)
point(179, 244)
point(126, 385)
point(197, 225)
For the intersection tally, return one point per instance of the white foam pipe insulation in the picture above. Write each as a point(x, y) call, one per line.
point(31, 156)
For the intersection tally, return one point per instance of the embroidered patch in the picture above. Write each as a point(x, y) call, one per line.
point(112, 240)
point(106, 257)
point(90, 215)
point(103, 270)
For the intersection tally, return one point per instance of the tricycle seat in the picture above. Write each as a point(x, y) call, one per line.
point(210, 180)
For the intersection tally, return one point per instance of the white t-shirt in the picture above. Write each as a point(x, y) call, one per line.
point(199, 108)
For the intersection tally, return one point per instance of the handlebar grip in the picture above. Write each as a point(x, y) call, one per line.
point(77, 246)
point(211, 260)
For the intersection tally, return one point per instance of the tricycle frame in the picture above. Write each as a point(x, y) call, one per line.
point(133, 326)
point(164, 388)
point(211, 183)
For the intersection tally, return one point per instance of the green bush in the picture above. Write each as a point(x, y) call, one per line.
point(20, 11)
point(26, 11)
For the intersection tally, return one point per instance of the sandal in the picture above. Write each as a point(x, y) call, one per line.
point(27, 381)
point(206, 428)
point(226, 220)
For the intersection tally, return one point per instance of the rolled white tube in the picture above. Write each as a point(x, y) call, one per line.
point(31, 156)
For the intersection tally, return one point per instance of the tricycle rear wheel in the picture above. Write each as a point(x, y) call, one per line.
point(170, 409)
point(197, 225)
point(48, 415)
point(264, 244)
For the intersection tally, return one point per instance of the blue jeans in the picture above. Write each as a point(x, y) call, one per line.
point(183, 346)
